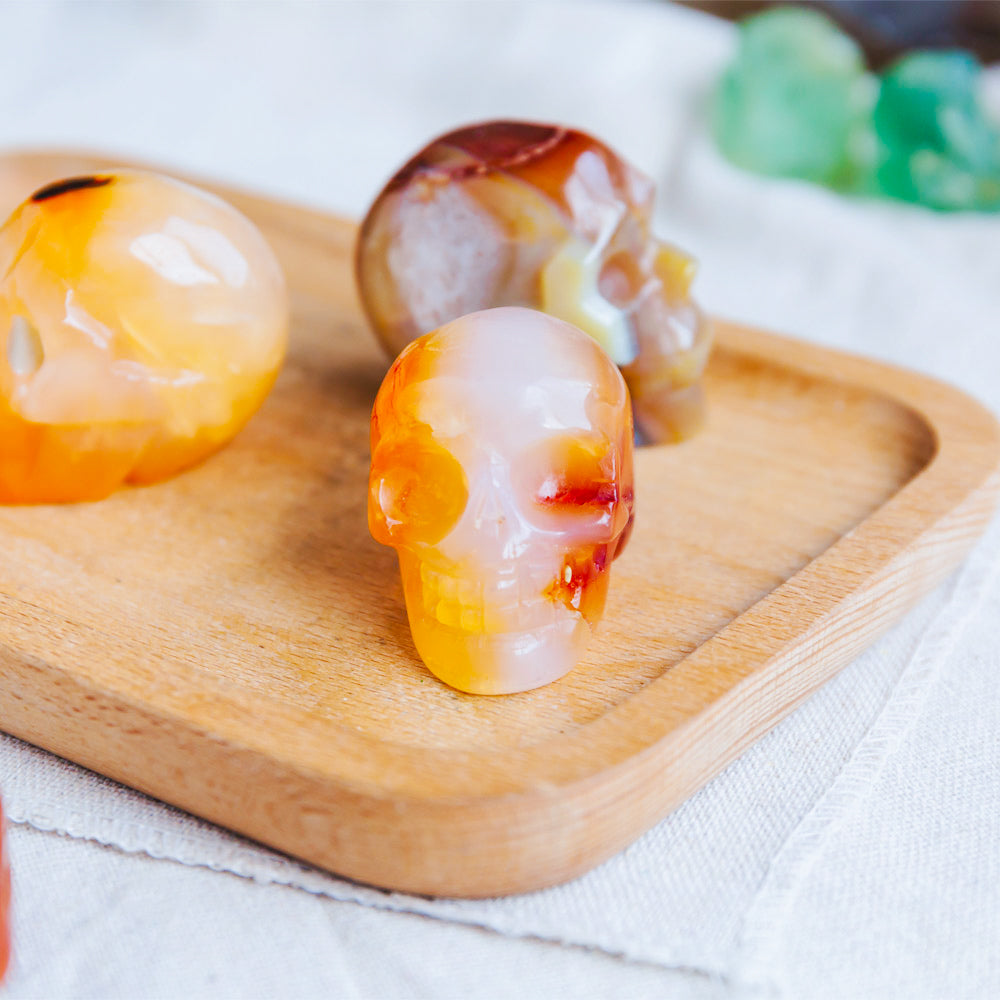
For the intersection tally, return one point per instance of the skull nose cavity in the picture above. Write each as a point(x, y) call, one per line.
point(492, 505)
point(489, 510)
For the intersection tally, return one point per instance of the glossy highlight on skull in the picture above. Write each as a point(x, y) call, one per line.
point(516, 213)
point(502, 474)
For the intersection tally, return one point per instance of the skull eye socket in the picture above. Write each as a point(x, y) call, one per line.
point(417, 492)
point(574, 478)
point(621, 279)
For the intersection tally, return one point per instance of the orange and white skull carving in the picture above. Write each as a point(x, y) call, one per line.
point(502, 474)
point(513, 213)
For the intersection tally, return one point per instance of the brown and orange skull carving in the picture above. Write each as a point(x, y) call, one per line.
point(513, 213)
point(502, 474)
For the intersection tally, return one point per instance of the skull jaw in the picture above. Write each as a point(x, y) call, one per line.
point(502, 662)
point(665, 380)
point(665, 415)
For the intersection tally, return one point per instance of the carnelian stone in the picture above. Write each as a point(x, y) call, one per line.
point(142, 323)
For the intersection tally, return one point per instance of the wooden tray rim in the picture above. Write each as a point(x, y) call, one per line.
point(581, 776)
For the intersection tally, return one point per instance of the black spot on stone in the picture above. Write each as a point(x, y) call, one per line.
point(70, 184)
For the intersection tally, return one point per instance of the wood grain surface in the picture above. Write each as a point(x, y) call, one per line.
point(233, 642)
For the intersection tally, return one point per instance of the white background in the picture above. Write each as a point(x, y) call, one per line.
point(853, 852)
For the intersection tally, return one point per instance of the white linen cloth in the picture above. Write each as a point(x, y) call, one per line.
point(853, 852)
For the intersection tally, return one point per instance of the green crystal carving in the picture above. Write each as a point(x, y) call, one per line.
point(937, 146)
point(797, 102)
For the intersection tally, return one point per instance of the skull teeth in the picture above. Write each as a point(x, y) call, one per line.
point(472, 620)
point(461, 603)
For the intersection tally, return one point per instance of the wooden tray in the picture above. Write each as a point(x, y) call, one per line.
point(233, 642)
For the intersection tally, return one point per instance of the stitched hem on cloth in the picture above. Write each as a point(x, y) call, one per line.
point(758, 971)
point(242, 864)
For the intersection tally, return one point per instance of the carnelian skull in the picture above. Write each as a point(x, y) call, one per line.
point(142, 322)
point(512, 213)
point(502, 474)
